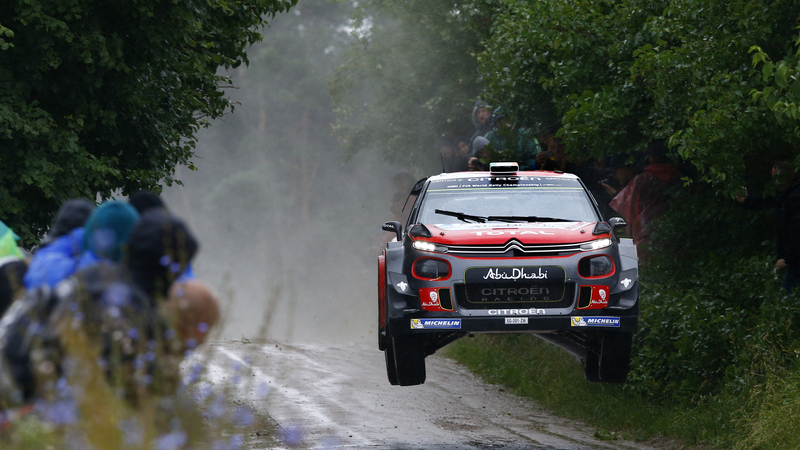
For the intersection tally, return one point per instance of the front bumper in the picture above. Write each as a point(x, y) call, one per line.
point(512, 324)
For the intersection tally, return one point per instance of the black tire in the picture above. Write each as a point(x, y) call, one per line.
point(591, 366)
point(391, 368)
point(409, 360)
point(615, 356)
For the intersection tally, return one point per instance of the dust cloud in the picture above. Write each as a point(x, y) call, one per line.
point(289, 230)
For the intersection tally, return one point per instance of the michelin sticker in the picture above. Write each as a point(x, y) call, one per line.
point(595, 321)
point(445, 324)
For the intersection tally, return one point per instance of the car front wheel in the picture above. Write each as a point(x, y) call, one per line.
point(409, 360)
point(610, 361)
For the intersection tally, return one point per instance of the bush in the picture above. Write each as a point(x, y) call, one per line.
point(711, 303)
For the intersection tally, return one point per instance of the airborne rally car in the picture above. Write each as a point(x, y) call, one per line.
point(506, 251)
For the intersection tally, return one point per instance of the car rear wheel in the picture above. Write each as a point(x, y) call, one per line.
point(409, 360)
point(610, 361)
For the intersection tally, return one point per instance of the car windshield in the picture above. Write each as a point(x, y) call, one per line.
point(515, 199)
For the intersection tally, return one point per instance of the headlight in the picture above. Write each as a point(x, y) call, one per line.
point(594, 245)
point(431, 269)
point(596, 266)
point(426, 246)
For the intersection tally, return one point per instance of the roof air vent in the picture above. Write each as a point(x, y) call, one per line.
point(503, 168)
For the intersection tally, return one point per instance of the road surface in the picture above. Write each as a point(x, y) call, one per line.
point(338, 396)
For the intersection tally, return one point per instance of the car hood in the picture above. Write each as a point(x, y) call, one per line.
point(500, 233)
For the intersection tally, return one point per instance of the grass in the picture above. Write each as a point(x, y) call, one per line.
point(763, 415)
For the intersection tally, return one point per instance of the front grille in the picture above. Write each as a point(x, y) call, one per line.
point(497, 296)
point(515, 248)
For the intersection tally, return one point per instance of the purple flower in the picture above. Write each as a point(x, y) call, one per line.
point(175, 268)
point(236, 442)
point(202, 327)
point(243, 417)
point(329, 443)
point(62, 387)
point(203, 393)
point(165, 260)
point(191, 343)
point(150, 356)
point(145, 380)
point(118, 294)
point(169, 334)
point(218, 408)
point(292, 435)
point(34, 328)
point(131, 431)
point(172, 441)
point(62, 412)
point(262, 390)
point(103, 240)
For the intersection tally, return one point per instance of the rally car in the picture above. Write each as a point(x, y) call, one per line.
point(507, 251)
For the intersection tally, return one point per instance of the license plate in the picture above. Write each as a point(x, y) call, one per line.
point(516, 320)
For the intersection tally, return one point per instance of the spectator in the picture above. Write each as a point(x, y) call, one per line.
point(787, 220)
point(462, 149)
point(451, 161)
point(192, 308)
point(554, 158)
point(144, 201)
point(72, 214)
point(161, 248)
point(642, 200)
point(106, 233)
point(478, 153)
point(510, 144)
point(62, 247)
point(12, 268)
point(481, 119)
point(110, 308)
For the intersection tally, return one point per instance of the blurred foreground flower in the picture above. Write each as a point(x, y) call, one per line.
point(293, 435)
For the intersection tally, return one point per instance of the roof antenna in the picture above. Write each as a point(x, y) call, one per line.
point(442, 158)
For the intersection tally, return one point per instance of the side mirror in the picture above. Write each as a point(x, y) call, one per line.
point(418, 186)
point(394, 226)
point(617, 223)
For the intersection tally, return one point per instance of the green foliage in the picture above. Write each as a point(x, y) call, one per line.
point(712, 305)
point(772, 422)
point(408, 79)
point(95, 99)
point(619, 74)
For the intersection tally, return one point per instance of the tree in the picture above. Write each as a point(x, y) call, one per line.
point(621, 73)
point(409, 79)
point(99, 96)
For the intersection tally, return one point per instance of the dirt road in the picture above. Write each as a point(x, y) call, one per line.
point(323, 397)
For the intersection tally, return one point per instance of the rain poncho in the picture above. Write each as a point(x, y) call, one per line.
point(56, 261)
point(8, 242)
point(641, 200)
point(106, 232)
